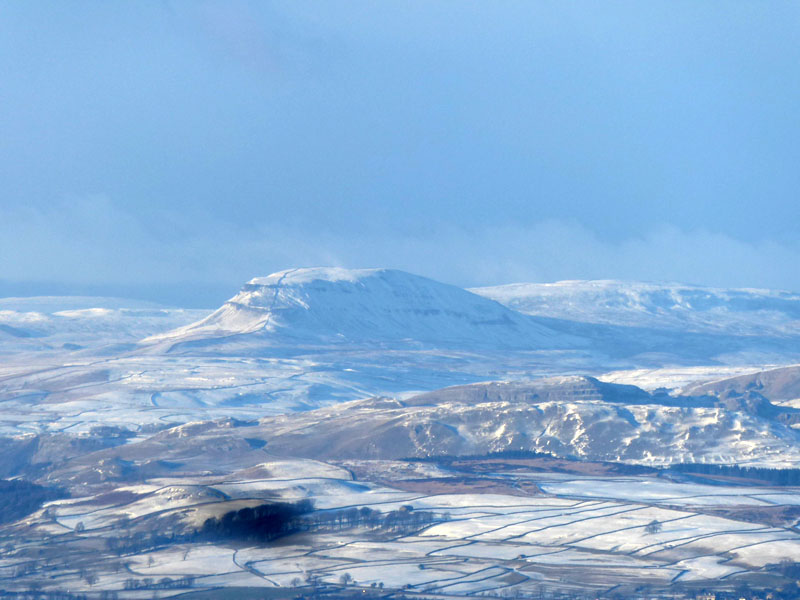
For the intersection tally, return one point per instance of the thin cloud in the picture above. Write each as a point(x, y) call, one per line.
point(92, 240)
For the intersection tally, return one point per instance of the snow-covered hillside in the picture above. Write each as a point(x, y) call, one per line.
point(565, 416)
point(380, 307)
point(780, 385)
point(56, 304)
point(658, 306)
point(70, 323)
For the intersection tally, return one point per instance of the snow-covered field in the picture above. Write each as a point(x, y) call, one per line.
point(598, 531)
point(664, 492)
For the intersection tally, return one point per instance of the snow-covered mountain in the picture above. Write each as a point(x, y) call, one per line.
point(380, 307)
point(685, 308)
point(308, 338)
point(645, 324)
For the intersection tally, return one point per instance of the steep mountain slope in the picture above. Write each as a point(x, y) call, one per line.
point(739, 312)
point(379, 307)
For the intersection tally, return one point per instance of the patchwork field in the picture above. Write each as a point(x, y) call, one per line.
point(577, 533)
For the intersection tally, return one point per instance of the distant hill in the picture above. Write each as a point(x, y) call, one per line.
point(567, 417)
point(685, 308)
point(377, 307)
point(576, 417)
point(73, 323)
point(778, 385)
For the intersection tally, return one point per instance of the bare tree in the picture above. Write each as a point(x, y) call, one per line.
point(653, 527)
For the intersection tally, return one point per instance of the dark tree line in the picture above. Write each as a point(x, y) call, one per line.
point(779, 477)
point(403, 520)
point(165, 583)
point(616, 467)
point(257, 524)
point(448, 458)
point(269, 521)
point(138, 541)
point(19, 498)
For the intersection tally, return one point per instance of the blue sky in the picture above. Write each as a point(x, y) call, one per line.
point(176, 149)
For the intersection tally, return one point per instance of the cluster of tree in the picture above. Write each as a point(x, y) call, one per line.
point(615, 467)
point(165, 583)
point(627, 469)
point(448, 458)
point(329, 593)
point(737, 592)
point(257, 524)
point(653, 527)
point(779, 477)
point(269, 521)
point(262, 523)
point(138, 541)
point(19, 498)
point(17, 453)
point(789, 568)
point(36, 593)
point(403, 520)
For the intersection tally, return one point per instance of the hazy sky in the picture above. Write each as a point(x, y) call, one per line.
point(189, 146)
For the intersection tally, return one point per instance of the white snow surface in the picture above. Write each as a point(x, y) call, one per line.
point(656, 305)
point(331, 305)
point(53, 304)
point(72, 323)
